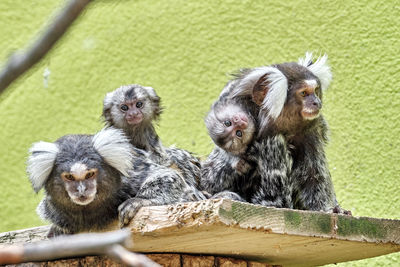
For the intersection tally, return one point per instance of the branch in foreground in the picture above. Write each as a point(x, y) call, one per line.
point(111, 244)
point(18, 63)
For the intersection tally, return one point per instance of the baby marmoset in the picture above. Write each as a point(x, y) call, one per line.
point(134, 109)
point(239, 166)
point(232, 129)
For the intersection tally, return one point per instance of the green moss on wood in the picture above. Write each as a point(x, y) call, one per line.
point(240, 212)
point(348, 226)
point(320, 223)
point(292, 219)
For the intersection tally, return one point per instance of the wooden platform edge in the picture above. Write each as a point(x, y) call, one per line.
point(225, 228)
point(272, 220)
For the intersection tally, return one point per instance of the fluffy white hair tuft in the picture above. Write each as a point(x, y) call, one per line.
point(40, 163)
point(319, 68)
point(113, 145)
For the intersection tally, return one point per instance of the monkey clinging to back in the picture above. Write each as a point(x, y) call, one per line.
point(134, 109)
point(232, 129)
point(239, 165)
point(290, 100)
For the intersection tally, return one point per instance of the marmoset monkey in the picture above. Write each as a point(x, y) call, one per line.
point(87, 177)
point(290, 100)
point(232, 129)
point(239, 166)
point(84, 177)
point(134, 108)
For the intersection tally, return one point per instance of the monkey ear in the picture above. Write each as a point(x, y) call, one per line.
point(115, 148)
point(108, 100)
point(275, 89)
point(319, 68)
point(151, 92)
point(40, 163)
point(260, 90)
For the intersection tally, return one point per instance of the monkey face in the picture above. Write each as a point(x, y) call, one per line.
point(80, 183)
point(307, 95)
point(133, 111)
point(230, 127)
point(80, 176)
point(131, 106)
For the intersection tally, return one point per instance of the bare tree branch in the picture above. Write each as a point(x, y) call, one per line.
point(121, 254)
point(18, 63)
point(111, 244)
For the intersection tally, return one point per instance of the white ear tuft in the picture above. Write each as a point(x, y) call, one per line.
point(307, 60)
point(114, 147)
point(319, 68)
point(277, 93)
point(40, 163)
point(247, 83)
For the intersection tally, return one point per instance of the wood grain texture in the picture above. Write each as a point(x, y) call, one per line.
point(255, 233)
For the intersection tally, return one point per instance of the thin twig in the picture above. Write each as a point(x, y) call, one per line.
point(111, 244)
point(18, 63)
point(123, 255)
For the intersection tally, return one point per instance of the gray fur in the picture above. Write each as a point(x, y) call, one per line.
point(143, 135)
point(112, 187)
point(226, 166)
point(155, 183)
point(247, 171)
point(309, 181)
point(266, 182)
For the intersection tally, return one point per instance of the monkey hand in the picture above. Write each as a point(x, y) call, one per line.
point(337, 209)
point(242, 166)
point(57, 231)
point(129, 208)
point(206, 194)
point(228, 195)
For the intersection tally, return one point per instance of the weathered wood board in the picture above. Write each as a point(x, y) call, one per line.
point(255, 233)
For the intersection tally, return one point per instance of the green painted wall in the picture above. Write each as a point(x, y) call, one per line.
point(184, 48)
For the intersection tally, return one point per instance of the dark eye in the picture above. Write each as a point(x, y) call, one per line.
point(227, 123)
point(124, 107)
point(239, 133)
point(89, 175)
point(139, 104)
point(69, 177)
point(303, 93)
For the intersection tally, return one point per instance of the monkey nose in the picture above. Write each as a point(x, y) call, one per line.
point(317, 104)
point(236, 118)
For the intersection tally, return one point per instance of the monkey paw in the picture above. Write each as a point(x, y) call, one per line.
point(129, 208)
point(56, 231)
point(206, 194)
point(339, 210)
point(228, 195)
point(242, 166)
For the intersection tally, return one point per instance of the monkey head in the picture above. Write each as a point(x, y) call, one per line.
point(80, 170)
point(289, 94)
point(130, 106)
point(230, 126)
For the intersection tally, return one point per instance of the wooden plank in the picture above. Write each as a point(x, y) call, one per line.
point(197, 261)
point(256, 233)
point(230, 262)
point(166, 260)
